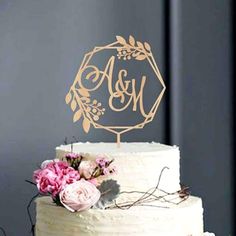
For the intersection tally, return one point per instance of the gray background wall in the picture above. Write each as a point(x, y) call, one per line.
point(41, 46)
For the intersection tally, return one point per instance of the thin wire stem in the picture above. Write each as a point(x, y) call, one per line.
point(150, 196)
point(29, 214)
point(3, 231)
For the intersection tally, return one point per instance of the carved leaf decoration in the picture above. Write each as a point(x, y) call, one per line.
point(68, 98)
point(147, 46)
point(121, 40)
point(109, 191)
point(77, 115)
point(84, 92)
point(86, 125)
point(139, 44)
point(85, 99)
point(73, 105)
point(135, 54)
point(140, 57)
point(131, 40)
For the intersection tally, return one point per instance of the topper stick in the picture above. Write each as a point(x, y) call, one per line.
point(118, 140)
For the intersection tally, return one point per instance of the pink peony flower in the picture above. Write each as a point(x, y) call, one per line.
point(79, 196)
point(87, 168)
point(45, 163)
point(54, 177)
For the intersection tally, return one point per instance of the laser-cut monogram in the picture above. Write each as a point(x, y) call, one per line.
point(125, 91)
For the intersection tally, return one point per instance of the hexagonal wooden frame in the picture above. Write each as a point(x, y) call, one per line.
point(137, 50)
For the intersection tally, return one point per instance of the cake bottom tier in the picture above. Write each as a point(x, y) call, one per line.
point(185, 219)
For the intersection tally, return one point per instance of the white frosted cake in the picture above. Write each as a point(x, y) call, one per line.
point(138, 164)
point(138, 169)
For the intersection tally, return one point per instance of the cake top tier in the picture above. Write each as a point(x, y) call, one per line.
point(139, 161)
point(111, 148)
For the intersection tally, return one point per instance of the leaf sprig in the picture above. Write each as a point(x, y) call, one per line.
point(110, 190)
point(83, 106)
point(132, 49)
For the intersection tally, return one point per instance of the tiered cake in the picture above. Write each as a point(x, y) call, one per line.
point(138, 169)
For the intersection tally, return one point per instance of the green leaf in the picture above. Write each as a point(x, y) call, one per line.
point(57, 200)
point(109, 191)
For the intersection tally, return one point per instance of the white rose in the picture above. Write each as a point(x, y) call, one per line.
point(79, 196)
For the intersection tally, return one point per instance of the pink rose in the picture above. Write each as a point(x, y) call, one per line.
point(87, 168)
point(54, 177)
point(79, 196)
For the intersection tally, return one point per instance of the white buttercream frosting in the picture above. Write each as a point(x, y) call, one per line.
point(138, 164)
point(184, 219)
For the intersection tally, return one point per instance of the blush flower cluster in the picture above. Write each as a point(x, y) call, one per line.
point(72, 183)
point(74, 159)
point(104, 165)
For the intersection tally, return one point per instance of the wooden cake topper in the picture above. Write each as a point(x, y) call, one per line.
point(83, 99)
